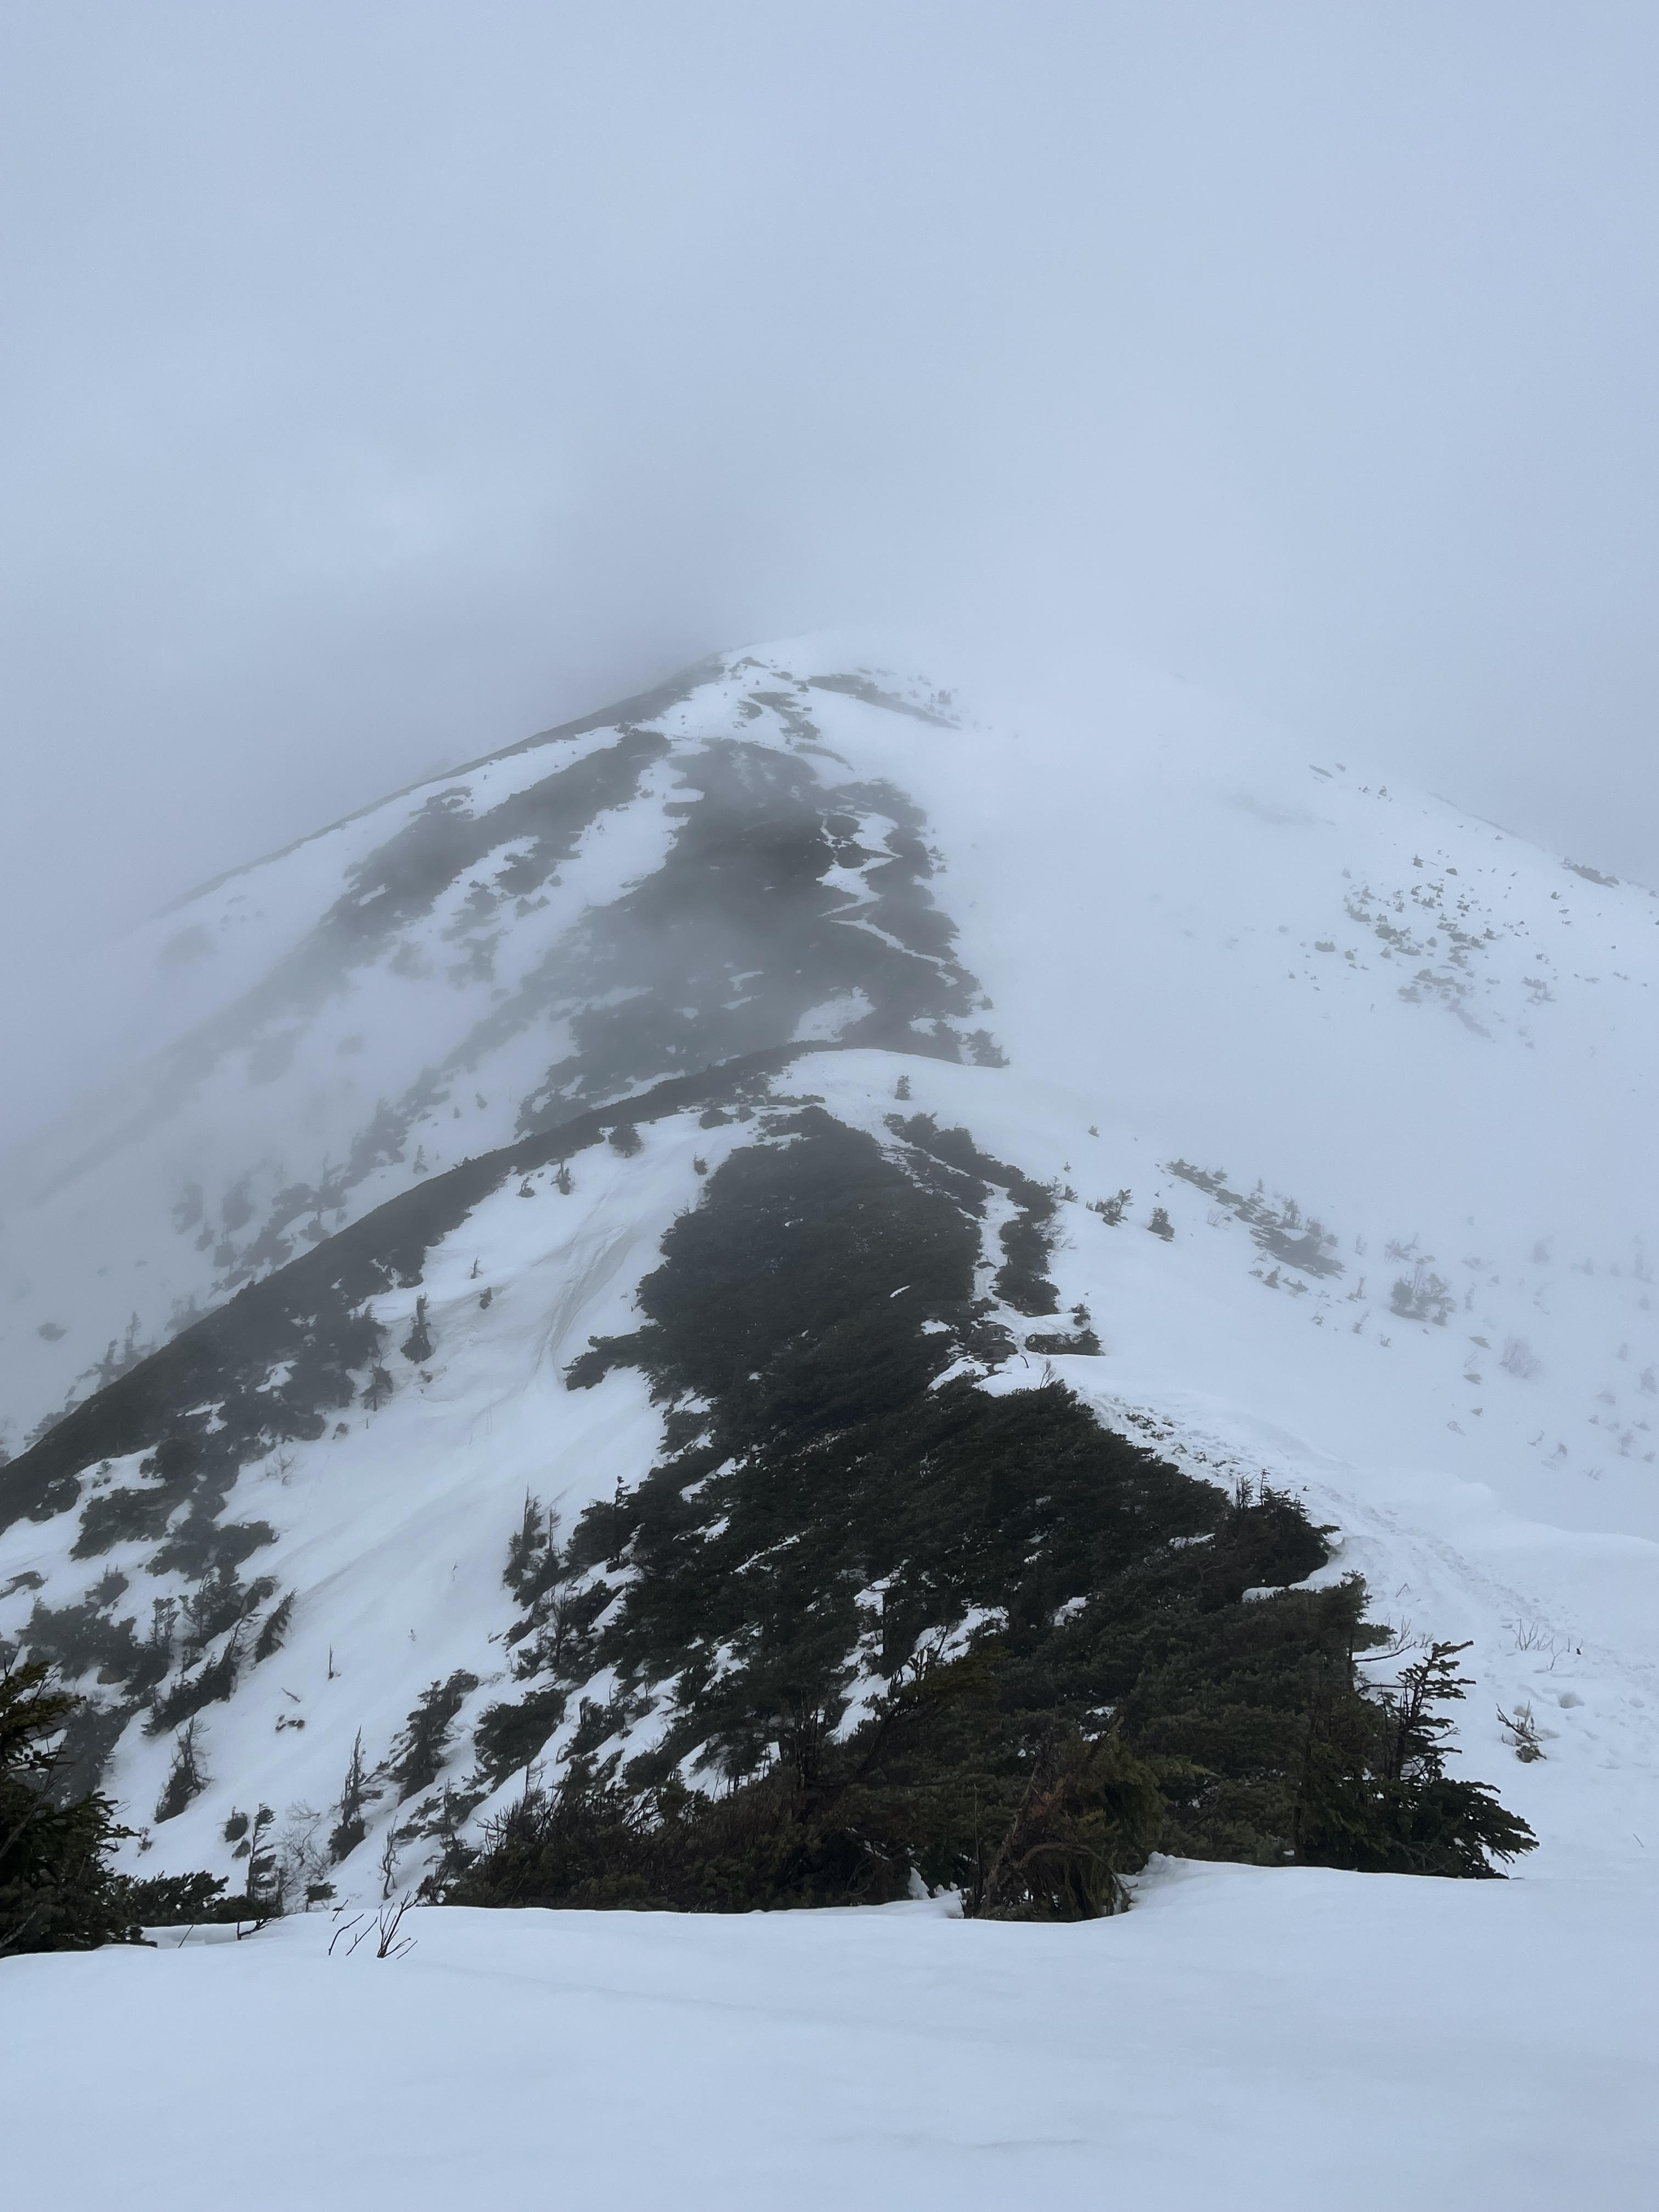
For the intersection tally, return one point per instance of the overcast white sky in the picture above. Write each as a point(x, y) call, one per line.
point(380, 382)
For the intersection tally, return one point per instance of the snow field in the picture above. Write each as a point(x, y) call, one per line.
point(1288, 2041)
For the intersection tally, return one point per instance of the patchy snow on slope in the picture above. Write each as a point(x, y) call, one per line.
point(598, 908)
point(1472, 1531)
point(391, 1530)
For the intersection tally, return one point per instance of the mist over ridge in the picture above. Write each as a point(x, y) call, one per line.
point(829, 935)
point(387, 384)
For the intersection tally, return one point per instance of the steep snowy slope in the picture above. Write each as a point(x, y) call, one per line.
point(689, 876)
point(1339, 1100)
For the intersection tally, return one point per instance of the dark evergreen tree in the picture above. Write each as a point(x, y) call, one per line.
point(349, 1827)
point(264, 1893)
point(417, 1344)
point(418, 1754)
point(185, 1779)
point(56, 1890)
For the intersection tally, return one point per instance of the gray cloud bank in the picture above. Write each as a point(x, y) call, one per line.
point(383, 381)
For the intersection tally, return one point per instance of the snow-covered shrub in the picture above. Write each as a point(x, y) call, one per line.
point(1423, 1295)
point(185, 1779)
point(1521, 1732)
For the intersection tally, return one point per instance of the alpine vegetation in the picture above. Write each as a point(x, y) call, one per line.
point(868, 1626)
point(637, 1344)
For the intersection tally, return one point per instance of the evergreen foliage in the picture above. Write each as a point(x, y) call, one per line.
point(355, 1791)
point(273, 1634)
point(895, 1625)
point(263, 1892)
point(183, 1900)
point(418, 1754)
point(212, 1684)
point(185, 1779)
point(909, 1628)
point(417, 1344)
point(646, 979)
point(56, 1890)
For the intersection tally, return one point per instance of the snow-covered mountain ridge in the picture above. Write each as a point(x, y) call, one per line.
point(1378, 1070)
point(566, 921)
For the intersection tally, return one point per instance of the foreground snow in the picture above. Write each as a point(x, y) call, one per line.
point(1289, 2039)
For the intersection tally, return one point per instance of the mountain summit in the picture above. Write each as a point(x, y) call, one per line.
point(684, 1250)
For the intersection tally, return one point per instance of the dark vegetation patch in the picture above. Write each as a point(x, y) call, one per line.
point(91, 1732)
point(273, 1632)
point(58, 1891)
point(418, 1754)
point(272, 1366)
point(167, 1674)
point(623, 714)
point(184, 1900)
point(308, 1319)
point(201, 1547)
point(826, 1513)
point(1279, 1228)
point(212, 1684)
point(651, 982)
point(1022, 1281)
point(85, 1638)
point(1423, 1295)
point(509, 1735)
point(1084, 1344)
point(185, 1778)
point(865, 688)
point(417, 1344)
point(390, 888)
point(401, 880)
point(756, 834)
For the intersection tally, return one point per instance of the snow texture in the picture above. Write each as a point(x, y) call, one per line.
point(1271, 2041)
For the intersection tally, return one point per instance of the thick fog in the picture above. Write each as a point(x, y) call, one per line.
point(384, 381)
